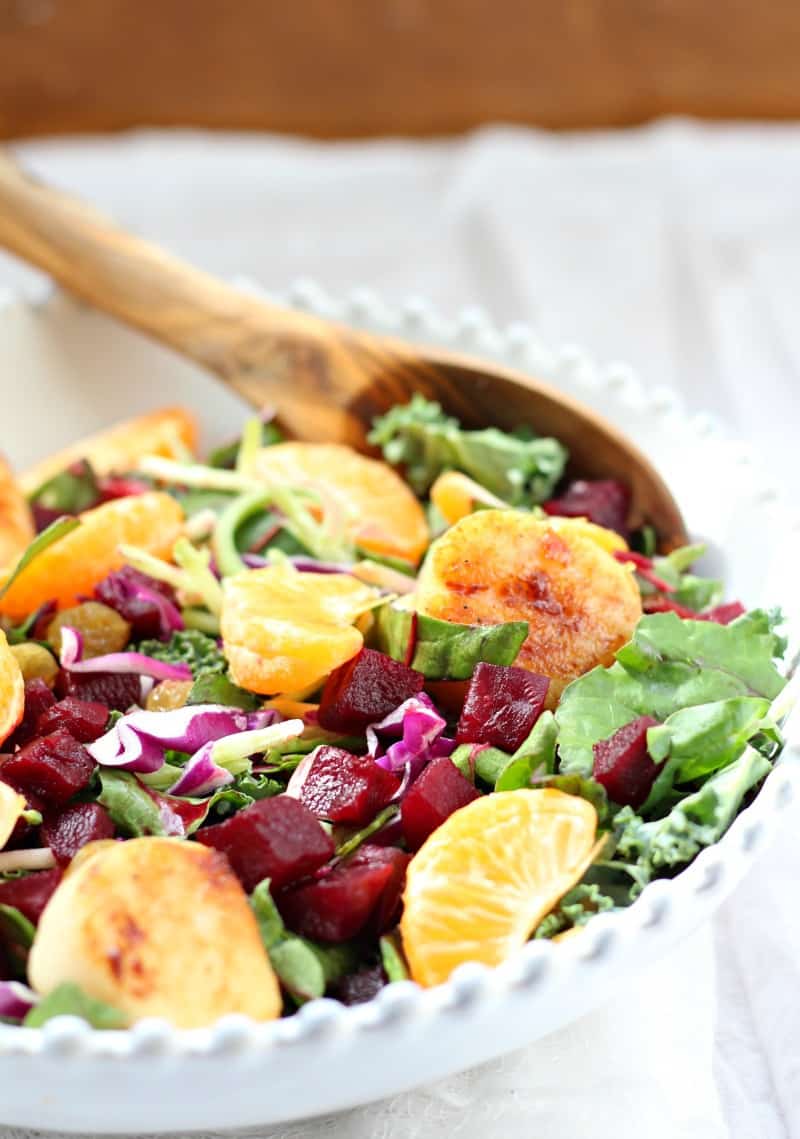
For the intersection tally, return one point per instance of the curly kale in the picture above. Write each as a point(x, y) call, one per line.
point(519, 467)
point(189, 646)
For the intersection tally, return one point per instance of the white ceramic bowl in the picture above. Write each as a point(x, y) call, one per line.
point(65, 370)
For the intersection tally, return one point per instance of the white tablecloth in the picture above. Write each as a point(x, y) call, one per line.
point(676, 248)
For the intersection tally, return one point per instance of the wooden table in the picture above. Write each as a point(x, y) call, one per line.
point(338, 68)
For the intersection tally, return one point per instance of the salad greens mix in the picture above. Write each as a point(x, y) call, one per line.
point(279, 684)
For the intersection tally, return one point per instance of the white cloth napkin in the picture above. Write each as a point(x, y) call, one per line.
point(676, 248)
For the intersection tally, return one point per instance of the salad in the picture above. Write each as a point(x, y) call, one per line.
point(290, 721)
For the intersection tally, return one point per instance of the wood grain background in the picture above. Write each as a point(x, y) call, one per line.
point(337, 68)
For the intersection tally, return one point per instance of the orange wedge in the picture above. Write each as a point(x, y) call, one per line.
point(71, 568)
point(376, 510)
point(12, 692)
point(16, 524)
point(455, 495)
point(483, 881)
point(283, 631)
point(167, 432)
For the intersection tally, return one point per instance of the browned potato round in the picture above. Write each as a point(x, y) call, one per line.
point(581, 605)
point(156, 927)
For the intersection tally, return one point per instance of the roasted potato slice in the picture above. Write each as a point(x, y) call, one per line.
point(581, 604)
point(165, 432)
point(11, 807)
point(156, 927)
point(16, 522)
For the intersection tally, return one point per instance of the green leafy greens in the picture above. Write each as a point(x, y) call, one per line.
point(520, 468)
point(69, 999)
point(671, 665)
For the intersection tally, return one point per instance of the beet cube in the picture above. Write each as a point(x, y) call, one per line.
point(360, 894)
point(84, 719)
point(622, 765)
point(723, 614)
point(54, 768)
point(38, 698)
point(439, 791)
point(502, 705)
point(68, 830)
point(276, 838)
point(117, 690)
point(30, 894)
point(364, 690)
point(605, 502)
point(361, 986)
point(346, 788)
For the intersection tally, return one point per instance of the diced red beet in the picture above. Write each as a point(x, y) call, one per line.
point(360, 894)
point(84, 719)
point(346, 788)
point(38, 698)
point(364, 690)
point(501, 706)
point(361, 986)
point(117, 690)
point(275, 838)
point(622, 764)
point(54, 767)
point(67, 831)
point(605, 502)
point(30, 894)
point(723, 614)
point(439, 791)
point(135, 596)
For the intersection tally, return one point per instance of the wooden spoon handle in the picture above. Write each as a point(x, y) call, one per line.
point(131, 279)
point(325, 378)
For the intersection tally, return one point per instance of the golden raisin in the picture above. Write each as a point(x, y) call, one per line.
point(102, 628)
point(167, 695)
point(35, 662)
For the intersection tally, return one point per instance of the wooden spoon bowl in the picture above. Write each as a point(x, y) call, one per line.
point(328, 381)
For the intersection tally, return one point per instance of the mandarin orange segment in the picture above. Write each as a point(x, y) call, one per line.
point(494, 566)
point(166, 432)
point(483, 881)
point(455, 495)
point(12, 690)
point(377, 511)
point(72, 567)
point(284, 631)
point(16, 522)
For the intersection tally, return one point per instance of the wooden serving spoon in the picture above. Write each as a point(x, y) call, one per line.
point(327, 380)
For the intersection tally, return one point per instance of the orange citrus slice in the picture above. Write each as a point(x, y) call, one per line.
point(377, 511)
point(71, 568)
point(16, 524)
point(283, 631)
point(455, 495)
point(12, 691)
point(487, 876)
point(167, 432)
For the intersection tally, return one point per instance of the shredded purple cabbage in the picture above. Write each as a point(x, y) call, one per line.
point(137, 741)
point(16, 1000)
point(201, 775)
point(147, 604)
point(129, 662)
point(419, 727)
